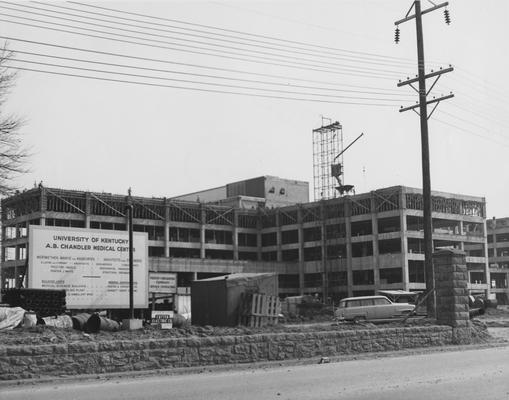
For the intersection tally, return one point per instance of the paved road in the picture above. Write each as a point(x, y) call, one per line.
point(467, 374)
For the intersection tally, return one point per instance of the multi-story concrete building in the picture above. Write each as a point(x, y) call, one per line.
point(498, 254)
point(340, 247)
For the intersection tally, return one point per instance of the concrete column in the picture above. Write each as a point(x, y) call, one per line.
point(451, 285)
point(44, 207)
point(88, 209)
point(3, 271)
point(462, 243)
point(202, 232)
point(494, 234)
point(348, 237)
point(278, 236)
point(235, 234)
point(404, 240)
point(301, 251)
point(374, 241)
point(324, 255)
point(487, 261)
point(166, 228)
point(259, 229)
point(18, 283)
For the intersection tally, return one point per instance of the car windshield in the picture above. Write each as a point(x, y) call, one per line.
point(381, 302)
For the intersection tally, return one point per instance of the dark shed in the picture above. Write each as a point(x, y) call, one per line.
point(216, 301)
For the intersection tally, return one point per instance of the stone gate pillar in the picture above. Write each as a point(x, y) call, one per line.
point(451, 284)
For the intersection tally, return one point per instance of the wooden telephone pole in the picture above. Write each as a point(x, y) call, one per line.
point(423, 114)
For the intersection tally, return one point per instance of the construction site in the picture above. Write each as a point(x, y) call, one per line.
point(246, 272)
point(339, 245)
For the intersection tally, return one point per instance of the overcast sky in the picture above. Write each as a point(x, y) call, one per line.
point(160, 140)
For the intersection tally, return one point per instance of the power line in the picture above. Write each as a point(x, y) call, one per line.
point(494, 118)
point(282, 58)
point(499, 100)
point(469, 131)
point(197, 82)
point(307, 67)
point(198, 89)
point(236, 32)
point(193, 74)
point(501, 103)
point(473, 123)
point(364, 60)
point(389, 91)
point(485, 106)
point(485, 83)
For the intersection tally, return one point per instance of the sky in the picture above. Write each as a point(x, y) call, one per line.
point(164, 116)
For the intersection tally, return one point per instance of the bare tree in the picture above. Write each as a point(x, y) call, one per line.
point(13, 155)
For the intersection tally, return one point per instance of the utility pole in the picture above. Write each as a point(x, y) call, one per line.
point(423, 115)
point(129, 209)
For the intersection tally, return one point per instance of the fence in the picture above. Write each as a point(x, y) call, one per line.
point(259, 310)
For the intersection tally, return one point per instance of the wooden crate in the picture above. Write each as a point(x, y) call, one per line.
point(259, 310)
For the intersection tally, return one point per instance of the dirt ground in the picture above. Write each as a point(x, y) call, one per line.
point(42, 334)
point(491, 322)
point(497, 322)
point(496, 317)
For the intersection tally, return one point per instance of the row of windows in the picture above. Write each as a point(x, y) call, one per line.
point(500, 237)
point(331, 252)
point(501, 252)
point(393, 276)
point(155, 251)
point(332, 231)
point(387, 276)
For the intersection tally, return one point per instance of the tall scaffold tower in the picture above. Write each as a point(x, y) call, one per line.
point(327, 143)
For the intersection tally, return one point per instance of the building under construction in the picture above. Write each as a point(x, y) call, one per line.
point(350, 245)
point(498, 254)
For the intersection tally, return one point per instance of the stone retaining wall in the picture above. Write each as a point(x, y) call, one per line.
point(92, 357)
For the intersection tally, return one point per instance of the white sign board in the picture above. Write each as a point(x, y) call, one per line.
point(162, 319)
point(162, 282)
point(91, 265)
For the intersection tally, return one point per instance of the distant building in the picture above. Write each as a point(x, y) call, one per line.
point(498, 254)
point(263, 191)
point(339, 247)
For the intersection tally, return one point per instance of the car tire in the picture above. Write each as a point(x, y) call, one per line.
point(359, 318)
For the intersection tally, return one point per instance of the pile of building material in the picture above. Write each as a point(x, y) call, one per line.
point(305, 307)
point(43, 302)
point(259, 310)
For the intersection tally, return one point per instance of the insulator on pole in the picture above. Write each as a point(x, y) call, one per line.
point(447, 17)
point(396, 35)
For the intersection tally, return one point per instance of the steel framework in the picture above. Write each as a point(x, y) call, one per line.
point(326, 145)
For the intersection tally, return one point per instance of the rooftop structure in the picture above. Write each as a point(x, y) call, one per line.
point(263, 191)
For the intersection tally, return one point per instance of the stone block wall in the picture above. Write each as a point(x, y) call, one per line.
point(451, 285)
point(93, 357)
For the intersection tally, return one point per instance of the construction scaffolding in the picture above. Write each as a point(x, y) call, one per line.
point(327, 143)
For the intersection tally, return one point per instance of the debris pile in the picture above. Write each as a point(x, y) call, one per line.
point(43, 302)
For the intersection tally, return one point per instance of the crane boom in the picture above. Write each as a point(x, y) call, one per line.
point(347, 147)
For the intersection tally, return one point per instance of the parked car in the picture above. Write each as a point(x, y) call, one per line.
point(400, 296)
point(371, 308)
